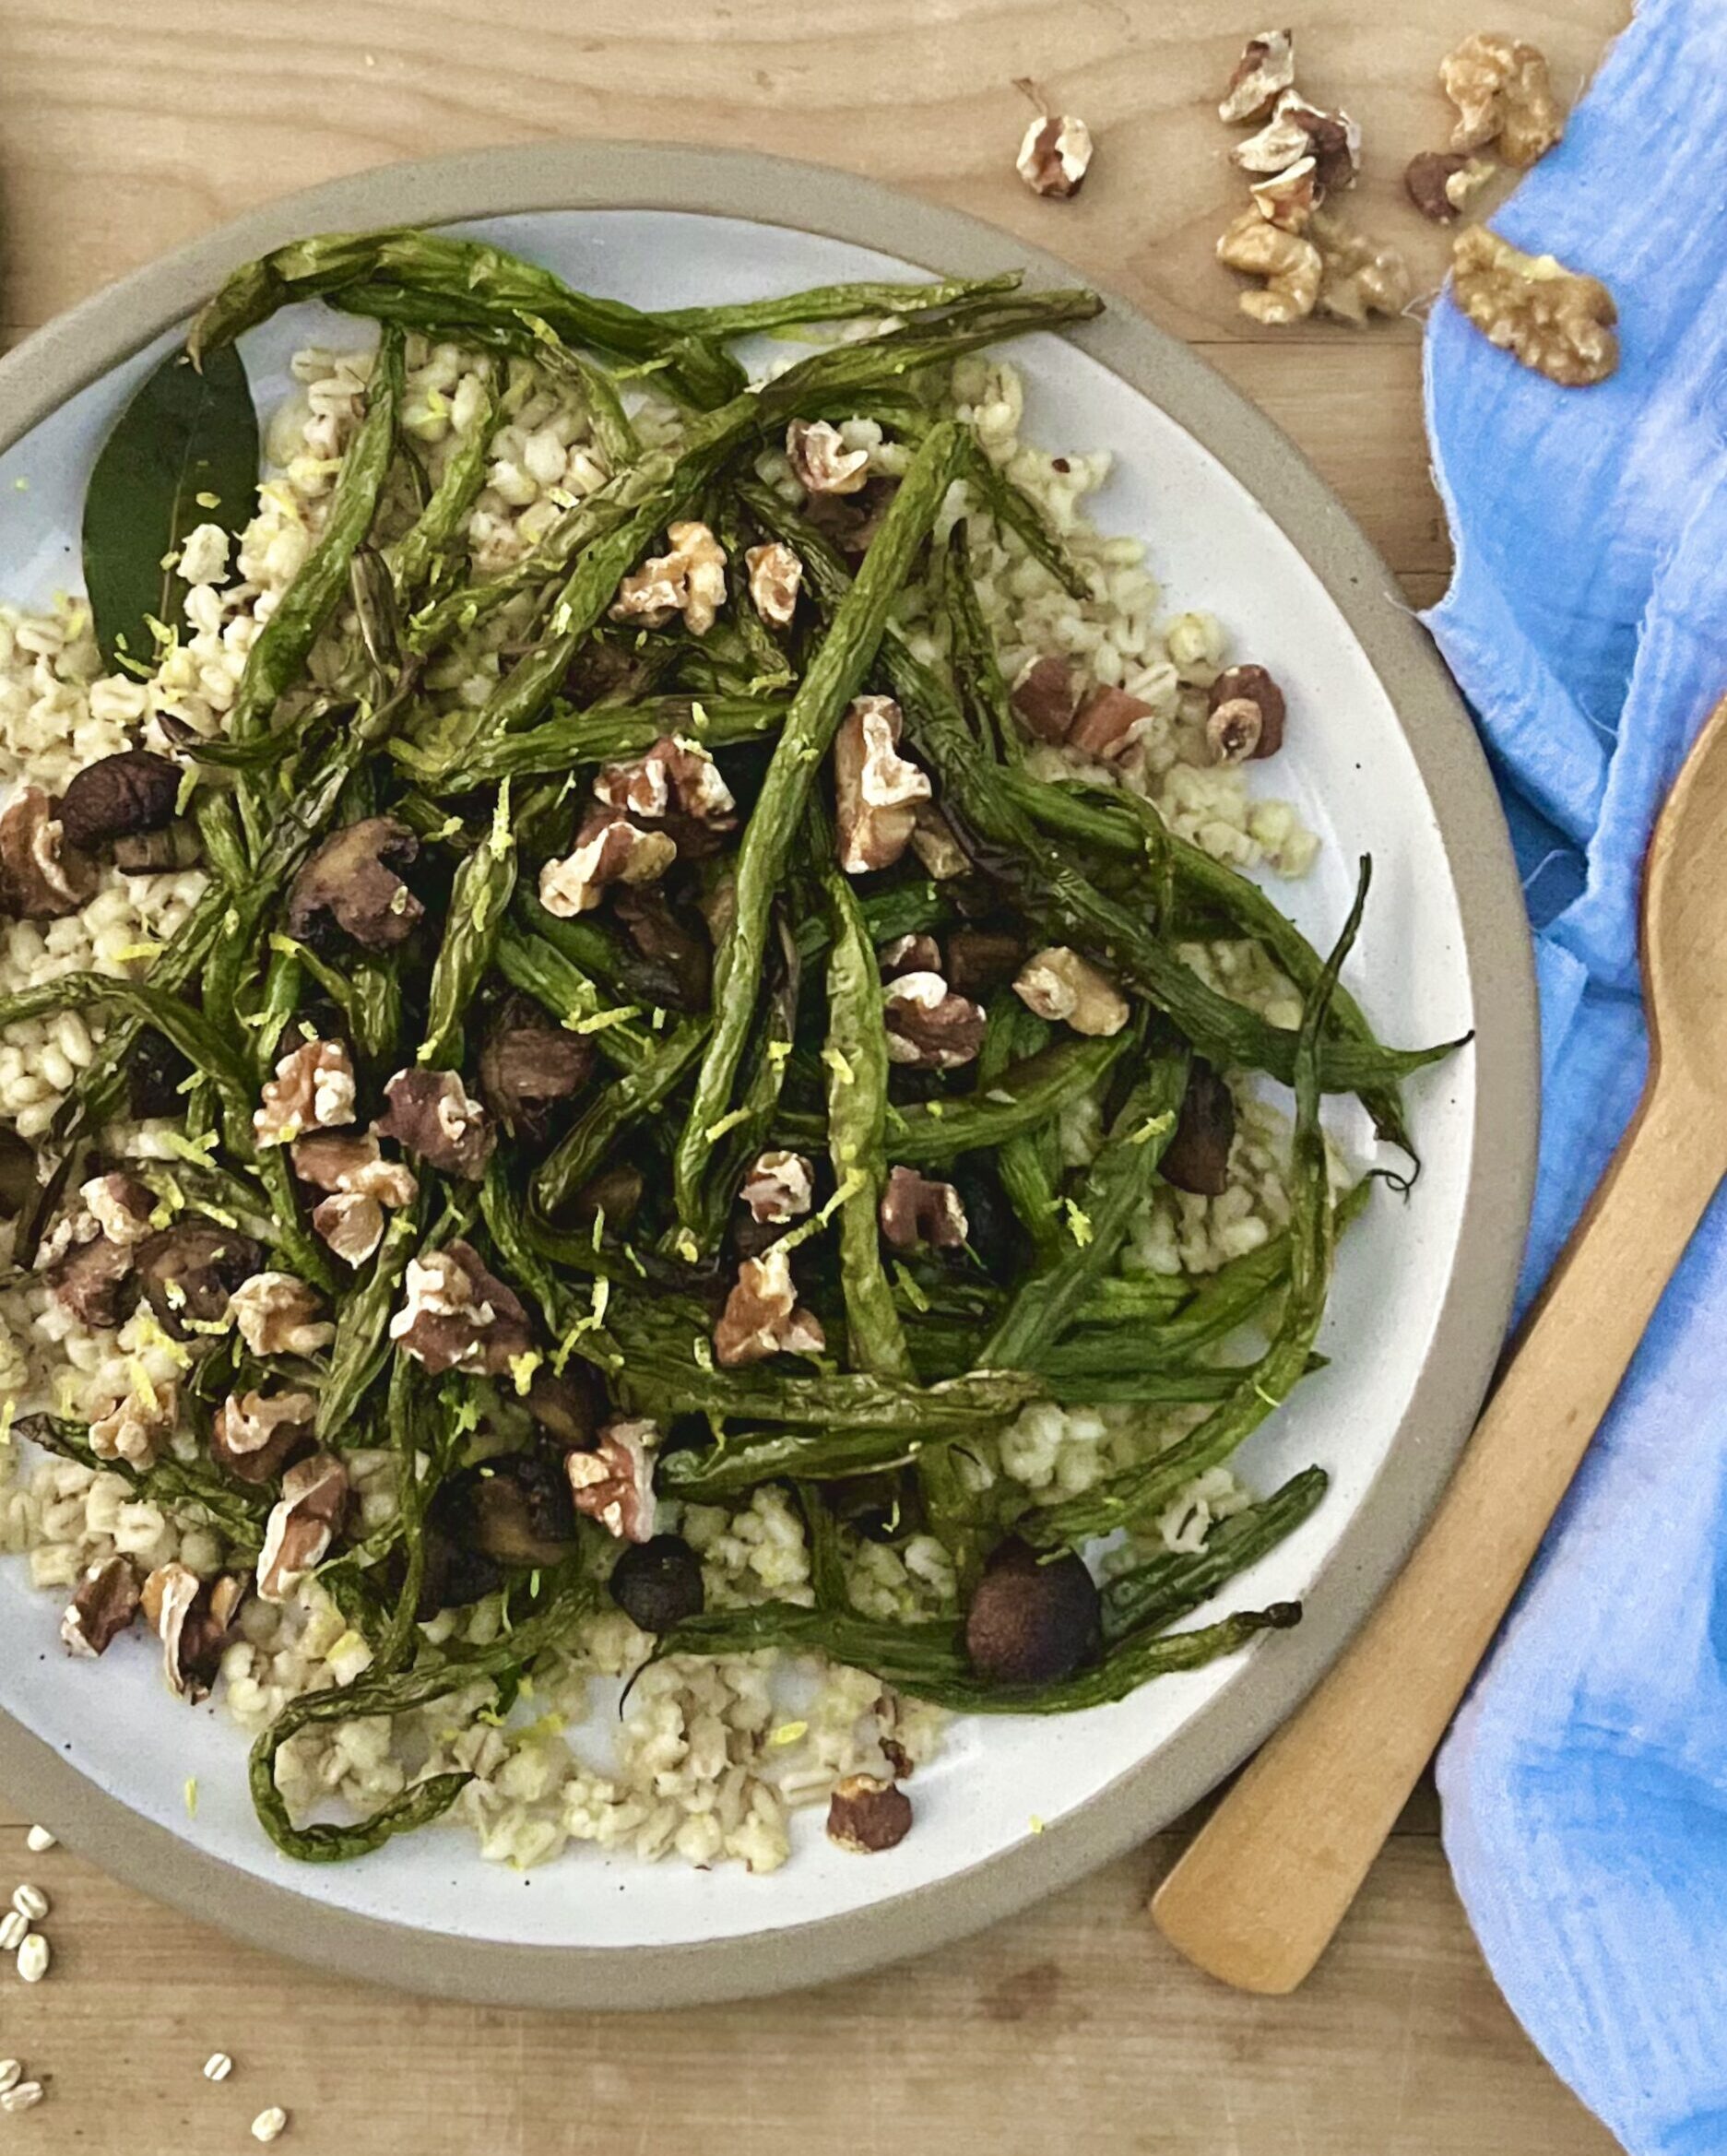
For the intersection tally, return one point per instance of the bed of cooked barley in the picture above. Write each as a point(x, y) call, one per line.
point(706, 1762)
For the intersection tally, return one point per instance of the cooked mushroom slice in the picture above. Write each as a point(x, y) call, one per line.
point(190, 1271)
point(104, 1604)
point(455, 1575)
point(42, 875)
point(866, 1814)
point(432, 1113)
point(91, 1280)
point(762, 1316)
point(614, 1197)
point(1033, 1620)
point(302, 1525)
point(192, 1618)
point(529, 1065)
point(915, 1210)
point(352, 880)
point(19, 1183)
point(677, 966)
point(277, 1313)
point(518, 1508)
point(254, 1435)
point(156, 1075)
point(457, 1316)
point(980, 961)
point(658, 1583)
point(1197, 1157)
point(570, 1405)
point(154, 853)
point(118, 797)
point(614, 1483)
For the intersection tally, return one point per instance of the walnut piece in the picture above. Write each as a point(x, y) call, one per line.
point(915, 1210)
point(192, 1618)
point(1287, 199)
point(1057, 983)
point(909, 955)
point(674, 776)
point(254, 1435)
point(1358, 276)
point(1275, 147)
point(313, 1090)
point(1056, 149)
point(352, 880)
point(350, 1223)
point(457, 1316)
point(875, 789)
point(43, 876)
point(277, 1314)
point(102, 1606)
point(1550, 318)
point(776, 579)
point(1333, 141)
point(614, 1483)
point(689, 580)
point(1288, 262)
point(762, 1317)
point(1108, 723)
point(121, 1206)
point(928, 1025)
point(820, 462)
point(138, 1424)
point(1439, 182)
point(1045, 696)
point(303, 1524)
point(940, 853)
point(1500, 87)
point(867, 1814)
point(1264, 71)
point(779, 1187)
point(1253, 685)
point(1234, 729)
point(608, 850)
point(432, 1114)
point(329, 1163)
point(91, 1278)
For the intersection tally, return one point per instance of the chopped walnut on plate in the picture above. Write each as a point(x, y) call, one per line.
point(689, 579)
point(762, 1315)
point(876, 790)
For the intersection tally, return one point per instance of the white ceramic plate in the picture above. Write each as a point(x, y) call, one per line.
point(1010, 1806)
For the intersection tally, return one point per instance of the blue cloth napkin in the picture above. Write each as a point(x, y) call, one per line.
point(1585, 1781)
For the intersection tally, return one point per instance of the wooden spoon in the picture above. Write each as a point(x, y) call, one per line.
point(1259, 1892)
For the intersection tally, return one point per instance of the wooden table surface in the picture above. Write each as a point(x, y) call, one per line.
point(128, 126)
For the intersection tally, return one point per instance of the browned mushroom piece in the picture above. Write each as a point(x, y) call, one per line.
point(568, 1404)
point(1045, 696)
point(867, 1814)
point(1033, 1618)
point(193, 1619)
point(458, 1316)
point(658, 1583)
point(614, 1483)
point(928, 1025)
point(1197, 1157)
point(352, 880)
point(527, 1066)
point(980, 961)
point(678, 963)
point(612, 1197)
point(103, 1605)
point(916, 1210)
point(520, 1508)
point(18, 1184)
point(255, 1435)
point(91, 1280)
point(119, 797)
point(602, 673)
point(153, 853)
point(852, 521)
point(42, 875)
point(432, 1115)
point(302, 1525)
point(190, 1271)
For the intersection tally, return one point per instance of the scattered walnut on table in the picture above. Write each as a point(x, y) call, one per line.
point(776, 579)
point(1265, 70)
point(303, 1524)
point(690, 579)
point(1441, 181)
point(1059, 985)
point(1553, 320)
point(1287, 261)
point(915, 1210)
point(876, 790)
point(1501, 90)
point(614, 1483)
point(609, 849)
point(1333, 141)
point(1358, 276)
point(762, 1315)
point(928, 1025)
point(1055, 151)
point(1274, 148)
point(867, 1814)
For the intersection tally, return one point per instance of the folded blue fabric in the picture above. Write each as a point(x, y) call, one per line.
point(1585, 1781)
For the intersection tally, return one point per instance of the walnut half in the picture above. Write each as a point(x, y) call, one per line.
point(1550, 318)
point(1288, 263)
point(1358, 276)
point(1500, 87)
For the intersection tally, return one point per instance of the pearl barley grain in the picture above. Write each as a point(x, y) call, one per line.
point(11, 2074)
point(268, 2124)
point(217, 2066)
point(30, 1902)
point(13, 1928)
point(38, 1839)
point(33, 1958)
point(21, 2096)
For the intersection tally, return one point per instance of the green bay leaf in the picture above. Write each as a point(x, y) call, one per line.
point(184, 452)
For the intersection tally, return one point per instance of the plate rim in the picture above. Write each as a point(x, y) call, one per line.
point(99, 333)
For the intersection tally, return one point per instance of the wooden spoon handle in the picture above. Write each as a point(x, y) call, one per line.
point(1258, 1894)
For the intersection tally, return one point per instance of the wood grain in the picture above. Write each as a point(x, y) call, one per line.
point(128, 126)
